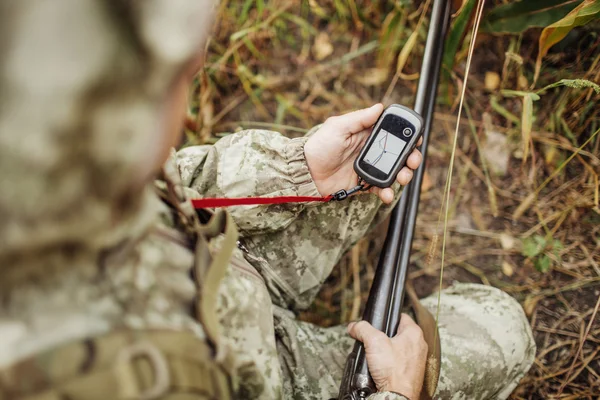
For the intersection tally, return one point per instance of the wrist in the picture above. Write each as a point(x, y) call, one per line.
point(402, 388)
point(402, 396)
point(319, 183)
point(299, 170)
point(387, 395)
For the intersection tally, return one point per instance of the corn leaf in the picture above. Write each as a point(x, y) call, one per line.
point(518, 16)
point(456, 32)
point(587, 11)
point(406, 50)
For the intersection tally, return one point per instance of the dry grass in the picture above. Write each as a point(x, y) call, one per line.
point(288, 65)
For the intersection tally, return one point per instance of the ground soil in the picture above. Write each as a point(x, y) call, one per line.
point(290, 74)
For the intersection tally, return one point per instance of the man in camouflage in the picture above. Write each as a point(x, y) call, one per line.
point(113, 287)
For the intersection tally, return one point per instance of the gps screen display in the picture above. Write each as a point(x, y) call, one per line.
point(384, 151)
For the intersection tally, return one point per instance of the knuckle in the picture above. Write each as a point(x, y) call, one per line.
point(415, 333)
point(406, 318)
point(359, 328)
point(332, 120)
point(361, 325)
point(376, 339)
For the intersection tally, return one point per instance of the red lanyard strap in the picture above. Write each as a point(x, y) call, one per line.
point(251, 201)
point(215, 202)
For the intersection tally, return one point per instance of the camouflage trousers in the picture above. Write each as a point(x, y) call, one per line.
point(487, 344)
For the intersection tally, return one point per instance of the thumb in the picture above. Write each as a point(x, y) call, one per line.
point(357, 121)
point(363, 331)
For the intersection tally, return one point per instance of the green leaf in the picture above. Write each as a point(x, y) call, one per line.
point(542, 263)
point(540, 240)
point(585, 12)
point(245, 11)
point(518, 16)
point(519, 93)
point(557, 246)
point(503, 111)
point(300, 22)
point(573, 83)
point(532, 246)
point(456, 33)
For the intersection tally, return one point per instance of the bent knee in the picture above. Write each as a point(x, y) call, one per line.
point(487, 344)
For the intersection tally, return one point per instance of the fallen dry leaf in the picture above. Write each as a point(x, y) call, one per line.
point(530, 304)
point(322, 46)
point(492, 80)
point(507, 241)
point(496, 152)
point(507, 269)
point(551, 155)
point(373, 76)
point(522, 82)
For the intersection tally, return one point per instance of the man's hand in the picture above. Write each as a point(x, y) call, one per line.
point(396, 364)
point(331, 151)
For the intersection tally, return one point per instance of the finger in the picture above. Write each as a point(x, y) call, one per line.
point(420, 142)
point(415, 159)
point(364, 332)
point(405, 322)
point(350, 326)
point(404, 176)
point(357, 121)
point(386, 195)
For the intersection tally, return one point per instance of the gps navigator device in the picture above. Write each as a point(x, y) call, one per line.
point(394, 137)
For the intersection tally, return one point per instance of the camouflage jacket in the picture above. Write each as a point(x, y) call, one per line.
point(293, 247)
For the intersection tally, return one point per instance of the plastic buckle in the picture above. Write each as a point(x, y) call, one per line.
point(343, 194)
point(340, 195)
point(127, 374)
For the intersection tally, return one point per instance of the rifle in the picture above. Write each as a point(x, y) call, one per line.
point(387, 291)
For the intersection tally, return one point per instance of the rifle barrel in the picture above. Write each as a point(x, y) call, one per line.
point(387, 290)
point(424, 105)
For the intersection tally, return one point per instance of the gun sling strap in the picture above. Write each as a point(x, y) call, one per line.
point(426, 321)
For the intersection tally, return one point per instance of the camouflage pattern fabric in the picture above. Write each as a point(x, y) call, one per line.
point(142, 282)
point(487, 345)
point(387, 396)
point(88, 250)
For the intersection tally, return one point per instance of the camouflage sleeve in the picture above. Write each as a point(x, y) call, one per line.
point(251, 163)
point(386, 396)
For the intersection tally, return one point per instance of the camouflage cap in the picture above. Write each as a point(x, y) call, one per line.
point(82, 87)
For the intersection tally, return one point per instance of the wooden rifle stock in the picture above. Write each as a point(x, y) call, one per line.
point(387, 291)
